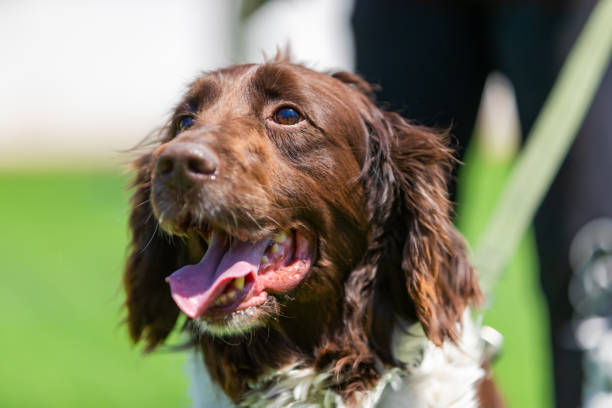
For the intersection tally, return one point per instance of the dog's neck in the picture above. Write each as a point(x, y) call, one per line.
point(432, 377)
point(236, 361)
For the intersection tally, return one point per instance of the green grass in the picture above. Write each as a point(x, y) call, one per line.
point(61, 253)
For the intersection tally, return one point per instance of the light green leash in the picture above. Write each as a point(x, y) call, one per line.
point(547, 145)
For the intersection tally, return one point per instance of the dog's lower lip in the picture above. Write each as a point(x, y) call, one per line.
point(224, 310)
point(221, 304)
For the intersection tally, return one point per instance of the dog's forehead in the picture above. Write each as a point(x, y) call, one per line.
point(252, 85)
point(210, 88)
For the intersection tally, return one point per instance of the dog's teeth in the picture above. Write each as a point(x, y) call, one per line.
point(275, 248)
point(239, 282)
point(264, 259)
point(232, 295)
point(280, 237)
point(221, 299)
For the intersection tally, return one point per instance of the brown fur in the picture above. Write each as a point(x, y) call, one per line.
point(369, 186)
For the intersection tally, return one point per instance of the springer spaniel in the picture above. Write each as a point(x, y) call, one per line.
point(306, 235)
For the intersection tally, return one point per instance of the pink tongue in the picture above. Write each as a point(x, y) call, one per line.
point(195, 287)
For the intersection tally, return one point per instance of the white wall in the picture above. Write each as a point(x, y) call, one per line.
point(318, 32)
point(81, 80)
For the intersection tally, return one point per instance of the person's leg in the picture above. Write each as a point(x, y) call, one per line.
point(524, 38)
point(427, 57)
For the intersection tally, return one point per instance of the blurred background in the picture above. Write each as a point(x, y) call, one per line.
point(81, 82)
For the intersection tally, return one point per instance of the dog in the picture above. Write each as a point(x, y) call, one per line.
point(305, 233)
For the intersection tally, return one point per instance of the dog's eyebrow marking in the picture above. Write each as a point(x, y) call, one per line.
point(273, 82)
point(204, 92)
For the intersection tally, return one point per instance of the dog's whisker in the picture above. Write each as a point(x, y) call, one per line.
point(253, 219)
point(234, 218)
point(142, 203)
point(160, 220)
point(273, 221)
point(148, 217)
point(150, 239)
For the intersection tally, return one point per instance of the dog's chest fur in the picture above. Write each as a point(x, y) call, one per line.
point(444, 376)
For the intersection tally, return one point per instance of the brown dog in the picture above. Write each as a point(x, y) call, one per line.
point(306, 234)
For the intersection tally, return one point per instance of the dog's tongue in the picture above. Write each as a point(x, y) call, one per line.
point(195, 287)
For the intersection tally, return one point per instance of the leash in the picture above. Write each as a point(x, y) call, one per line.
point(546, 147)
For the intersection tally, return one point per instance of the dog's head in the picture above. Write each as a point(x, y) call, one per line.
point(283, 198)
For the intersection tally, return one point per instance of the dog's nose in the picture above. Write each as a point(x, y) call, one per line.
point(183, 164)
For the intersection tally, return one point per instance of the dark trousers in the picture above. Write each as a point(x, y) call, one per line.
point(432, 58)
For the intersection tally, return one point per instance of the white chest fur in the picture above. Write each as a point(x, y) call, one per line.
point(444, 376)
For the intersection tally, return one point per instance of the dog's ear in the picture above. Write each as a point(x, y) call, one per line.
point(416, 263)
point(435, 270)
point(151, 313)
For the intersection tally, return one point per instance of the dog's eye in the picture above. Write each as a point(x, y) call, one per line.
point(287, 116)
point(185, 123)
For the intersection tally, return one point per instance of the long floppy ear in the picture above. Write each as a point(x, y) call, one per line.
point(151, 312)
point(416, 264)
point(435, 270)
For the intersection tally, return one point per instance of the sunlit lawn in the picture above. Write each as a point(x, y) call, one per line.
point(62, 247)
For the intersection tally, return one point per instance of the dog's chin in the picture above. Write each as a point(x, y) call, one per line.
point(237, 322)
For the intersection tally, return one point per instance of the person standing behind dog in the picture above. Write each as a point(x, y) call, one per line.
point(432, 57)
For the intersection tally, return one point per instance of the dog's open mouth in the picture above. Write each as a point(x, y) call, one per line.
point(237, 274)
